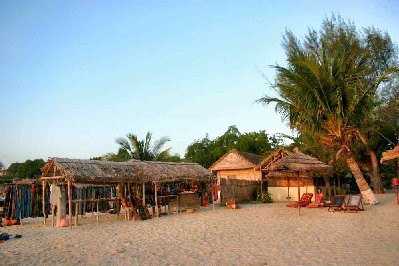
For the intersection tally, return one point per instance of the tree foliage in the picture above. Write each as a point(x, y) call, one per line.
point(27, 169)
point(328, 88)
point(206, 151)
point(144, 150)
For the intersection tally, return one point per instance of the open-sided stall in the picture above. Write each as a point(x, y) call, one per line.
point(82, 185)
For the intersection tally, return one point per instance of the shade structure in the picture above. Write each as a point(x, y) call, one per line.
point(296, 164)
point(105, 172)
point(390, 155)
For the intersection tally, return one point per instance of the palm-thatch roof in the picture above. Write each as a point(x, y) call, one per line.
point(390, 155)
point(273, 157)
point(252, 160)
point(296, 162)
point(93, 171)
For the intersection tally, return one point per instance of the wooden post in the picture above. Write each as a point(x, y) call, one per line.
point(92, 209)
point(306, 186)
point(299, 195)
point(77, 213)
point(261, 181)
point(70, 203)
point(52, 215)
point(156, 199)
point(136, 189)
point(97, 212)
point(144, 195)
point(44, 201)
point(177, 203)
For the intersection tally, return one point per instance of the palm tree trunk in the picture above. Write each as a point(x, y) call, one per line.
point(376, 182)
point(367, 193)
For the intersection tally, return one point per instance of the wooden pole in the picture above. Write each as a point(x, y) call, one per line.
point(136, 189)
point(77, 213)
point(213, 200)
point(144, 195)
point(44, 201)
point(52, 215)
point(97, 212)
point(299, 195)
point(261, 181)
point(156, 199)
point(70, 203)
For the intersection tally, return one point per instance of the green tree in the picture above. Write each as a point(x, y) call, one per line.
point(133, 148)
point(205, 151)
point(27, 169)
point(327, 90)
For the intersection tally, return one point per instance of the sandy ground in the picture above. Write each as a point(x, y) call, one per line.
point(255, 234)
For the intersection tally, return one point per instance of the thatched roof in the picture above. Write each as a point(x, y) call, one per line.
point(251, 159)
point(390, 155)
point(93, 171)
point(296, 162)
point(273, 157)
point(166, 171)
point(28, 181)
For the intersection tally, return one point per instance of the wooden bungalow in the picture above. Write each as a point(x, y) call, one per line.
point(296, 170)
point(240, 173)
point(237, 175)
point(134, 174)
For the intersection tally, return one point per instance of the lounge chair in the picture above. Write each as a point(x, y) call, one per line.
point(354, 204)
point(337, 203)
point(305, 200)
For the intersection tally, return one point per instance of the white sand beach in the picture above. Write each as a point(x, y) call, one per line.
point(255, 234)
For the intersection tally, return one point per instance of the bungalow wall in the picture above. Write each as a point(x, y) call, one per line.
point(239, 184)
point(278, 188)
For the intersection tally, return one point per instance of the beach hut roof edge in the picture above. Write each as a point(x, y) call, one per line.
point(252, 159)
point(94, 171)
point(299, 162)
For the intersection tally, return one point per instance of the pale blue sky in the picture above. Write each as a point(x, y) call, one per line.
point(75, 75)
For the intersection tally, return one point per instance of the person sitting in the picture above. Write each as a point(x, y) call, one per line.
point(319, 199)
point(319, 196)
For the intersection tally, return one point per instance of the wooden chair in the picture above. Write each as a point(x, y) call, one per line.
point(305, 200)
point(354, 204)
point(337, 203)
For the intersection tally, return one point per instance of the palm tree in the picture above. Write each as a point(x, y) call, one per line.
point(133, 148)
point(326, 94)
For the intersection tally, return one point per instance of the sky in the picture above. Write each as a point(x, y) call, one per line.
point(76, 75)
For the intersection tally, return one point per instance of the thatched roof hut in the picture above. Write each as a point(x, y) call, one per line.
point(390, 155)
point(297, 165)
point(296, 162)
point(229, 161)
point(101, 172)
point(271, 158)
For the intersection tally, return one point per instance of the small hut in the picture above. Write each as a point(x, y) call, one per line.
point(297, 168)
point(240, 173)
point(237, 175)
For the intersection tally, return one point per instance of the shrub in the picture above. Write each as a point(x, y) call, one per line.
point(263, 197)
